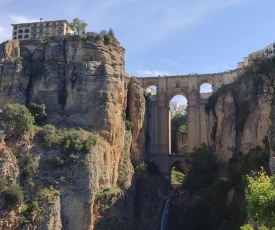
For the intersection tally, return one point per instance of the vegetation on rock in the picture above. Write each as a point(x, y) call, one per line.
point(70, 141)
point(109, 37)
point(38, 111)
point(15, 120)
point(79, 25)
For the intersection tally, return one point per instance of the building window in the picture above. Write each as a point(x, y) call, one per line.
point(27, 31)
point(26, 36)
point(20, 31)
point(20, 37)
point(15, 27)
point(14, 38)
point(15, 33)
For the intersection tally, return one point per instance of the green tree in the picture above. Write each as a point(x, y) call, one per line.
point(109, 36)
point(79, 25)
point(261, 199)
point(203, 169)
point(38, 111)
point(15, 120)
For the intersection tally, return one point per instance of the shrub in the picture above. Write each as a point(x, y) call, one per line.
point(109, 37)
point(140, 168)
point(30, 168)
point(58, 161)
point(48, 194)
point(16, 120)
point(48, 135)
point(38, 111)
point(13, 194)
point(73, 141)
point(129, 125)
point(108, 192)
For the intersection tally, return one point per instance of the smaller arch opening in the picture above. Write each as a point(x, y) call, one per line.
point(15, 33)
point(178, 172)
point(20, 37)
point(26, 36)
point(151, 92)
point(205, 90)
point(27, 31)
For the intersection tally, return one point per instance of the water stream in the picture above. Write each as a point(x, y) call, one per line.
point(164, 216)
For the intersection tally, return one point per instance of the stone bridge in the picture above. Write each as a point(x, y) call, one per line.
point(159, 116)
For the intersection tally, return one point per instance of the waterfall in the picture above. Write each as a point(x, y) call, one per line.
point(164, 216)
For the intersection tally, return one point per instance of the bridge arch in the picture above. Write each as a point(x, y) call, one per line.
point(150, 83)
point(177, 92)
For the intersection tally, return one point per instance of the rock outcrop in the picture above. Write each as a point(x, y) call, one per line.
point(238, 122)
point(82, 83)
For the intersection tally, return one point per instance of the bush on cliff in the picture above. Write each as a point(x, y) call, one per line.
point(11, 193)
point(16, 120)
point(70, 141)
point(38, 111)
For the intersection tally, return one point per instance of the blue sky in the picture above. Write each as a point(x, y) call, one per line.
point(163, 37)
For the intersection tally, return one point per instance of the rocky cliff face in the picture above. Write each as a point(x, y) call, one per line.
point(238, 121)
point(81, 81)
point(77, 78)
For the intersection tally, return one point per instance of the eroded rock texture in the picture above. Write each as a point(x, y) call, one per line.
point(82, 82)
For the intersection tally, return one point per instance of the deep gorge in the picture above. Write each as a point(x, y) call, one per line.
point(87, 160)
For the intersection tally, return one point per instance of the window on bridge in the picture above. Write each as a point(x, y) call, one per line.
point(205, 90)
point(178, 124)
point(177, 174)
point(151, 92)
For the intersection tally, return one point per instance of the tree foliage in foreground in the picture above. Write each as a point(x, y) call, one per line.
point(203, 167)
point(261, 199)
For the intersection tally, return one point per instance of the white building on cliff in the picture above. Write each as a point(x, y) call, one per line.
point(42, 29)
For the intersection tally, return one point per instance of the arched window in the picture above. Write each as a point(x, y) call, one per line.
point(205, 90)
point(14, 38)
point(26, 36)
point(151, 92)
point(20, 37)
point(15, 33)
point(20, 31)
point(27, 31)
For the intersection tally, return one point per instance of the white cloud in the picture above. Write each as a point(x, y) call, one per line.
point(151, 73)
point(22, 19)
